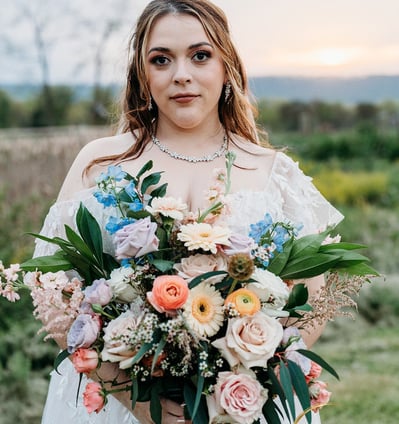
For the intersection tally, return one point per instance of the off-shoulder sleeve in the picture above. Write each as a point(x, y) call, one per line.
point(302, 202)
point(64, 213)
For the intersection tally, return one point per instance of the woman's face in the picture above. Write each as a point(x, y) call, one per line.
point(185, 72)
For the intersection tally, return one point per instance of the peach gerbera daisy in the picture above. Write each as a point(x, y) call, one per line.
point(203, 310)
point(203, 236)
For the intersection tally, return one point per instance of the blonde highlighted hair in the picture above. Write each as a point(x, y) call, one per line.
point(237, 115)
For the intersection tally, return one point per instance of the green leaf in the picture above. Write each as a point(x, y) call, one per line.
point(159, 191)
point(60, 357)
point(341, 245)
point(161, 264)
point(200, 278)
point(134, 392)
point(155, 403)
point(279, 261)
point(270, 413)
point(138, 214)
point(308, 245)
point(316, 358)
point(147, 166)
point(79, 244)
point(201, 416)
point(150, 181)
point(278, 389)
point(362, 269)
point(157, 352)
point(300, 386)
point(286, 383)
point(90, 231)
point(308, 266)
point(53, 263)
point(298, 296)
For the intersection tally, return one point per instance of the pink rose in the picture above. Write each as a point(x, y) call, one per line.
point(83, 332)
point(169, 292)
point(136, 239)
point(240, 396)
point(250, 340)
point(85, 360)
point(319, 395)
point(315, 371)
point(93, 397)
point(98, 293)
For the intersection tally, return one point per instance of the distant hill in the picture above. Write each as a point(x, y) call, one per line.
point(372, 89)
point(345, 90)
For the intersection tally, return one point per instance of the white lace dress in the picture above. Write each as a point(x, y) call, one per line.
point(287, 195)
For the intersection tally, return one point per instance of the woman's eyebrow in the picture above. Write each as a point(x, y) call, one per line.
point(190, 47)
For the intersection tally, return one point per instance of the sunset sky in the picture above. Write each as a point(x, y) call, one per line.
point(275, 37)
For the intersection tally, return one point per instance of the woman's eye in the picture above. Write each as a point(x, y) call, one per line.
point(201, 56)
point(160, 60)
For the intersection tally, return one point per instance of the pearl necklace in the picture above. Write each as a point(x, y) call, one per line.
point(193, 159)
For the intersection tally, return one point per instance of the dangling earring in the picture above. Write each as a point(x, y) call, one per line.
point(227, 91)
point(150, 104)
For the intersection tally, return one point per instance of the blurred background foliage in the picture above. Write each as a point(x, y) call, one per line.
point(352, 153)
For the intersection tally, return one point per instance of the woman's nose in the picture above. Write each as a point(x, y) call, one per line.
point(182, 72)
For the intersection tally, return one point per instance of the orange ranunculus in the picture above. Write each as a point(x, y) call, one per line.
point(93, 397)
point(85, 360)
point(169, 292)
point(244, 301)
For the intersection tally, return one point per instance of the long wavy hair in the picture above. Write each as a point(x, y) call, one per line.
point(237, 115)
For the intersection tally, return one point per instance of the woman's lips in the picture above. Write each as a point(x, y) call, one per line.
point(184, 98)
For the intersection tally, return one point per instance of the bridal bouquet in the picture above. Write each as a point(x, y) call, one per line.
point(187, 308)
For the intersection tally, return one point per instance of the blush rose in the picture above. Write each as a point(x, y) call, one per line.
point(250, 340)
point(93, 397)
point(240, 396)
point(84, 360)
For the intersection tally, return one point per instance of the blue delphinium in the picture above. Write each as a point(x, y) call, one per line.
point(260, 228)
point(107, 199)
point(114, 224)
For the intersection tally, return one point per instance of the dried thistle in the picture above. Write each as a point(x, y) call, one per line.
point(240, 266)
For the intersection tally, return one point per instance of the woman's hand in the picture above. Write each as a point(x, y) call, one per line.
point(172, 412)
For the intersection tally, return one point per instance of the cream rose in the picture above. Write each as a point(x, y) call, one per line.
point(250, 340)
point(238, 398)
point(121, 283)
point(270, 288)
point(198, 264)
point(117, 347)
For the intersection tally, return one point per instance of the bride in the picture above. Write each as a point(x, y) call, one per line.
point(186, 103)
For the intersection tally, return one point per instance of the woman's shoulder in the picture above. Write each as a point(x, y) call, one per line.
point(77, 180)
point(106, 146)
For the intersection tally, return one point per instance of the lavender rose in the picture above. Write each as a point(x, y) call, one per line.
point(83, 332)
point(239, 243)
point(98, 293)
point(136, 239)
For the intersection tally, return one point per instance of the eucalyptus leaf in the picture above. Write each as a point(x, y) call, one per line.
point(162, 264)
point(300, 387)
point(159, 191)
point(316, 358)
point(200, 278)
point(286, 383)
point(60, 358)
point(298, 297)
point(276, 386)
